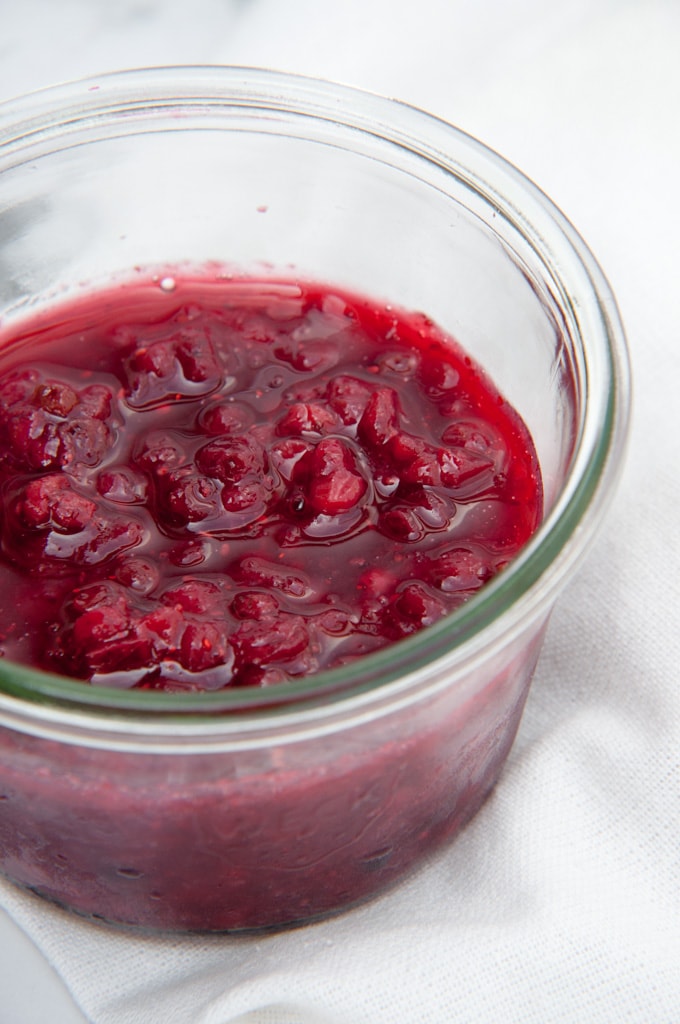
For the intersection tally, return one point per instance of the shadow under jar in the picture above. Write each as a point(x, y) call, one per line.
point(254, 808)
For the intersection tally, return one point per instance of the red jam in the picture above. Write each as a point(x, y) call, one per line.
point(208, 484)
point(211, 484)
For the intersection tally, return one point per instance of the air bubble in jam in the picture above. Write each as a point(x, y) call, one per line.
point(276, 442)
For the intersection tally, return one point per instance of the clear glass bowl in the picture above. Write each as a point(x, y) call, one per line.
point(259, 808)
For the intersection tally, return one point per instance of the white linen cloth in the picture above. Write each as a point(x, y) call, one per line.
point(561, 901)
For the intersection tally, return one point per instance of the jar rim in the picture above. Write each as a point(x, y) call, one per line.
point(513, 598)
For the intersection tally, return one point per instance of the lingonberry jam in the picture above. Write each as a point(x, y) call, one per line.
point(208, 484)
point(233, 483)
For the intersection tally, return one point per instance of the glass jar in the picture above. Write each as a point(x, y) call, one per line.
point(255, 808)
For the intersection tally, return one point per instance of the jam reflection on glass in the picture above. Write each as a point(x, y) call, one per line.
point(211, 483)
point(214, 484)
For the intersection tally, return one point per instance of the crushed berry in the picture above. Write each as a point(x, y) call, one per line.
point(210, 487)
point(330, 477)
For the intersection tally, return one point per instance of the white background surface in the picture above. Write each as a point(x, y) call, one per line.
point(560, 903)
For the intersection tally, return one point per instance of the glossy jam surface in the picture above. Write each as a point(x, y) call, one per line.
point(226, 483)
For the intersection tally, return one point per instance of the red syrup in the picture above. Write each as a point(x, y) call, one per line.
point(243, 483)
point(237, 483)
